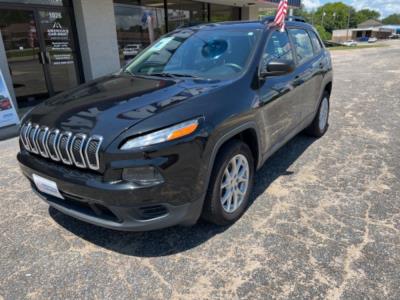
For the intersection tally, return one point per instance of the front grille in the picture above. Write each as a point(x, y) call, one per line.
point(71, 149)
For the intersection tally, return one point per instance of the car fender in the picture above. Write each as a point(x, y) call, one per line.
point(224, 138)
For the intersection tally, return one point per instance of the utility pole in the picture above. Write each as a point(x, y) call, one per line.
point(348, 25)
point(323, 15)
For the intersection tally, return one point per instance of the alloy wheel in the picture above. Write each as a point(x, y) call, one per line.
point(323, 114)
point(235, 183)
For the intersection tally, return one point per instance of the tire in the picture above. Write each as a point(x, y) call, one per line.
point(215, 210)
point(320, 124)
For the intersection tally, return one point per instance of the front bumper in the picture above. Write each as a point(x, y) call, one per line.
point(119, 205)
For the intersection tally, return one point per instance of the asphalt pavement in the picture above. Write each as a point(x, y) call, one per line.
point(324, 222)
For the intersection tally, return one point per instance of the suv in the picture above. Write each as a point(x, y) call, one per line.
point(180, 131)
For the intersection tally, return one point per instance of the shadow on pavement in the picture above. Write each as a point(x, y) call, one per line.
point(177, 239)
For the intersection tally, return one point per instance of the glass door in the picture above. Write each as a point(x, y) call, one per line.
point(59, 49)
point(23, 50)
point(41, 51)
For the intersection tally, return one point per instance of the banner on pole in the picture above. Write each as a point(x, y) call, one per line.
point(8, 114)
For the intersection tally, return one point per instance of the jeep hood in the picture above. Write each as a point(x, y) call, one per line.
point(112, 104)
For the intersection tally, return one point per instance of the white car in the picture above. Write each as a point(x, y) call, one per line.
point(372, 40)
point(131, 50)
point(350, 43)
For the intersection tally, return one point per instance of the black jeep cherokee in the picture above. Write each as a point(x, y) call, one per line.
point(179, 132)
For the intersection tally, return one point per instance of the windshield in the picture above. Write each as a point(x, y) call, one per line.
point(211, 54)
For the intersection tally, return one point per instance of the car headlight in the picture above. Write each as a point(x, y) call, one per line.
point(168, 134)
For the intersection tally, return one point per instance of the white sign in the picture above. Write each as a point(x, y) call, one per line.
point(8, 114)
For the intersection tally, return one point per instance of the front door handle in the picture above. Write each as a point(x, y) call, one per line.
point(298, 80)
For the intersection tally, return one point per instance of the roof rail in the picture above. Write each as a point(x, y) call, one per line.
point(270, 19)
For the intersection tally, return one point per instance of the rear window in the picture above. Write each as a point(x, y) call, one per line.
point(316, 42)
point(302, 44)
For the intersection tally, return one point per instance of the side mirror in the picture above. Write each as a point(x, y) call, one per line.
point(277, 67)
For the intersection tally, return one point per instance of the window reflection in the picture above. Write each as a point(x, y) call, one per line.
point(137, 27)
point(185, 13)
point(221, 13)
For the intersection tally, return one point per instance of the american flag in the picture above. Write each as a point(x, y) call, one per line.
point(281, 14)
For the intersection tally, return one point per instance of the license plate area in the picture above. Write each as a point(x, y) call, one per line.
point(47, 186)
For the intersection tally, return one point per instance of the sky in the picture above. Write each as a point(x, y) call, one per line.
point(385, 7)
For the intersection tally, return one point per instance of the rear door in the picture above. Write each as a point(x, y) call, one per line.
point(308, 79)
point(279, 97)
point(320, 66)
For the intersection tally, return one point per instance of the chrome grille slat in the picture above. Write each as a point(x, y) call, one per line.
point(77, 145)
point(32, 139)
point(23, 134)
point(51, 145)
point(42, 141)
point(71, 149)
point(63, 147)
point(92, 152)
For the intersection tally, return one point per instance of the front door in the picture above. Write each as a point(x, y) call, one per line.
point(279, 95)
point(41, 52)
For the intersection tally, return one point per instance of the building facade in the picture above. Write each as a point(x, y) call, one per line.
point(48, 46)
point(364, 31)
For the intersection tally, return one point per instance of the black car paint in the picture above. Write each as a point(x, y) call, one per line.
point(122, 106)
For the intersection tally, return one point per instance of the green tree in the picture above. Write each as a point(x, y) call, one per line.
point(366, 14)
point(335, 16)
point(393, 19)
point(302, 12)
point(325, 35)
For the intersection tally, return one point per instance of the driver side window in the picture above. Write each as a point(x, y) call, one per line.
point(278, 47)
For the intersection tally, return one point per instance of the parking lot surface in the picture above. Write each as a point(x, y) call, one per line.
point(324, 220)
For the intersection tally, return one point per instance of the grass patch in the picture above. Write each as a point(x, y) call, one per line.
point(358, 47)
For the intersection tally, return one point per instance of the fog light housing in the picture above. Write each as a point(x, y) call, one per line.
point(143, 176)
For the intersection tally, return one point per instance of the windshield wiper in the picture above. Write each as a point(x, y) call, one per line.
point(162, 75)
point(174, 75)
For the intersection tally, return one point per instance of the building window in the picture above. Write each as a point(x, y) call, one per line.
point(138, 26)
point(186, 13)
point(221, 13)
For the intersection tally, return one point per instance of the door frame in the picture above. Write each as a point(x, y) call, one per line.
point(35, 8)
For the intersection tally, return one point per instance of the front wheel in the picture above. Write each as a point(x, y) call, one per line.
point(230, 184)
point(320, 124)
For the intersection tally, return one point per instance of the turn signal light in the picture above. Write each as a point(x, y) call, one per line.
point(189, 129)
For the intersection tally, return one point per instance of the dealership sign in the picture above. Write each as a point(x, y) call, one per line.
point(8, 114)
